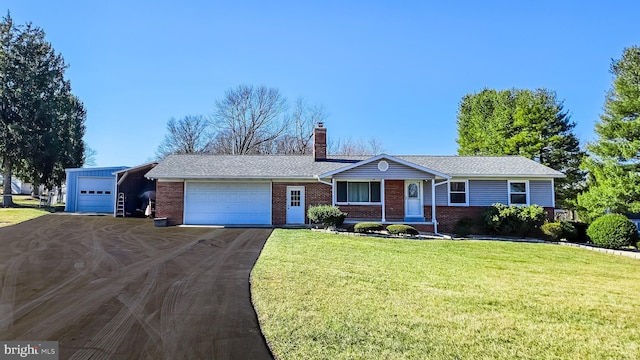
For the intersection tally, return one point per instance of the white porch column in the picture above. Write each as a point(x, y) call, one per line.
point(333, 192)
point(384, 219)
point(433, 206)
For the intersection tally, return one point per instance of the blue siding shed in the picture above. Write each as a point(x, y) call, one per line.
point(91, 189)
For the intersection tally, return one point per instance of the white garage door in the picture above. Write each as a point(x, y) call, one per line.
point(227, 203)
point(95, 194)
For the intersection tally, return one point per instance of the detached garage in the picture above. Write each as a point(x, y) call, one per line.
point(91, 189)
point(229, 203)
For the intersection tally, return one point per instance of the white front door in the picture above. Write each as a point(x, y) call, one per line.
point(295, 204)
point(413, 198)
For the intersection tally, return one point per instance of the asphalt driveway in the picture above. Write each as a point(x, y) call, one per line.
point(110, 288)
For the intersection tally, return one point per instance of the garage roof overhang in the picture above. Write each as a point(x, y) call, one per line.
point(122, 168)
point(122, 174)
point(148, 166)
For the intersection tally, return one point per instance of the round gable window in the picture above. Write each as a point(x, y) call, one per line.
point(383, 166)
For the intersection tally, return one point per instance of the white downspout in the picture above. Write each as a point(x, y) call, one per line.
point(433, 206)
point(322, 181)
point(384, 213)
point(333, 202)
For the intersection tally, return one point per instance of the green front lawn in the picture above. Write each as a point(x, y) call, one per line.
point(13, 216)
point(325, 296)
point(26, 209)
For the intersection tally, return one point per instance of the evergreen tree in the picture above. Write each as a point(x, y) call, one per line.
point(529, 123)
point(39, 117)
point(614, 164)
point(484, 122)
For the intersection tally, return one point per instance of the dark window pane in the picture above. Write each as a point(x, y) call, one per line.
point(342, 191)
point(375, 191)
point(413, 191)
point(518, 198)
point(295, 198)
point(458, 198)
point(358, 192)
point(457, 186)
point(518, 187)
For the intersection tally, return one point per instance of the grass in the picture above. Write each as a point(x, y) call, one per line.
point(326, 296)
point(26, 209)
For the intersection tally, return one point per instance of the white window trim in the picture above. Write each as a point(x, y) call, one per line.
point(526, 182)
point(466, 193)
point(335, 192)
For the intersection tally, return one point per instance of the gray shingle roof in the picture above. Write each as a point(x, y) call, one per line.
point(483, 165)
point(303, 166)
point(243, 166)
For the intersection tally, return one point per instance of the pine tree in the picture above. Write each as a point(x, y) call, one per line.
point(39, 117)
point(528, 123)
point(614, 164)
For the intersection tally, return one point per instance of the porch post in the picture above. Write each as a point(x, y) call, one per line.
point(333, 192)
point(433, 205)
point(383, 203)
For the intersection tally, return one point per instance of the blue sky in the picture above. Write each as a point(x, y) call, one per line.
point(393, 70)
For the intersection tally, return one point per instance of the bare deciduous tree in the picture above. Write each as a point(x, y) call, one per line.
point(185, 136)
point(298, 140)
point(349, 146)
point(253, 120)
point(375, 146)
point(249, 119)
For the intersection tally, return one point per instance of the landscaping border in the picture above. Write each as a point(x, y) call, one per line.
point(634, 254)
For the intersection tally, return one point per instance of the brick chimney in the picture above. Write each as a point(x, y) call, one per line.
point(320, 142)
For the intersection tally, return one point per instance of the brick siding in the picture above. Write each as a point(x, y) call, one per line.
point(362, 212)
point(427, 212)
point(422, 227)
point(447, 216)
point(394, 200)
point(170, 201)
point(314, 194)
point(170, 204)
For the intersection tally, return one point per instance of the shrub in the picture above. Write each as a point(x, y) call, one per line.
point(465, 226)
point(580, 235)
point(613, 231)
point(560, 230)
point(326, 215)
point(569, 231)
point(397, 229)
point(553, 230)
point(514, 219)
point(367, 227)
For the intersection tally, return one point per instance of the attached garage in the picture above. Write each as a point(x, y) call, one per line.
point(227, 203)
point(91, 189)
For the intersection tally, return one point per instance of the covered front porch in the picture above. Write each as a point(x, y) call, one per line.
point(401, 202)
point(388, 190)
